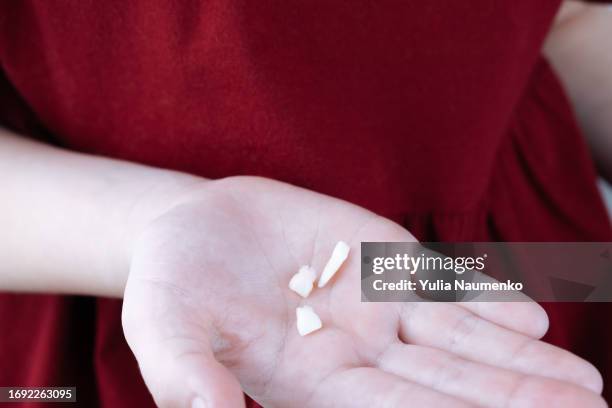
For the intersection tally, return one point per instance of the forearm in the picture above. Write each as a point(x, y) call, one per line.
point(68, 220)
point(579, 48)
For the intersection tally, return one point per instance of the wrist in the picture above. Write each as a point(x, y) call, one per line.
point(162, 191)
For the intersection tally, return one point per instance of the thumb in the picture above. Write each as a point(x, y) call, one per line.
point(192, 378)
point(177, 362)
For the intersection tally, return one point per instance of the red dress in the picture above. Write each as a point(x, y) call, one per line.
point(440, 115)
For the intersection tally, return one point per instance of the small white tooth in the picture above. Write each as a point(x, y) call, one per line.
point(300, 285)
point(302, 282)
point(307, 320)
point(338, 256)
point(308, 271)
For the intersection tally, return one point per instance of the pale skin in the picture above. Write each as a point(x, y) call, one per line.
point(203, 268)
point(580, 50)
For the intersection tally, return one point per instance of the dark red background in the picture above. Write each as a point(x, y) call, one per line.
point(441, 115)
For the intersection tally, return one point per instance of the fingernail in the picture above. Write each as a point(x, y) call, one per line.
point(198, 403)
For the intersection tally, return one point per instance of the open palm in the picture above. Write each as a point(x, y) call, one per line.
point(208, 313)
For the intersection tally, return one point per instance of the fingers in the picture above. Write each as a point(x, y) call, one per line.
point(526, 317)
point(371, 387)
point(512, 310)
point(481, 384)
point(464, 334)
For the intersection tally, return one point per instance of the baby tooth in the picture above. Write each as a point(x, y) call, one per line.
point(309, 272)
point(307, 320)
point(338, 256)
point(302, 282)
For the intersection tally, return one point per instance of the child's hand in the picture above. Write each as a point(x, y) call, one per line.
point(207, 310)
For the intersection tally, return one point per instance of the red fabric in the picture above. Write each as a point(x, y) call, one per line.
point(440, 115)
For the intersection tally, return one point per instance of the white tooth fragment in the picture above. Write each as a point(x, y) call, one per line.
point(307, 320)
point(302, 282)
point(309, 271)
point(338, 256)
